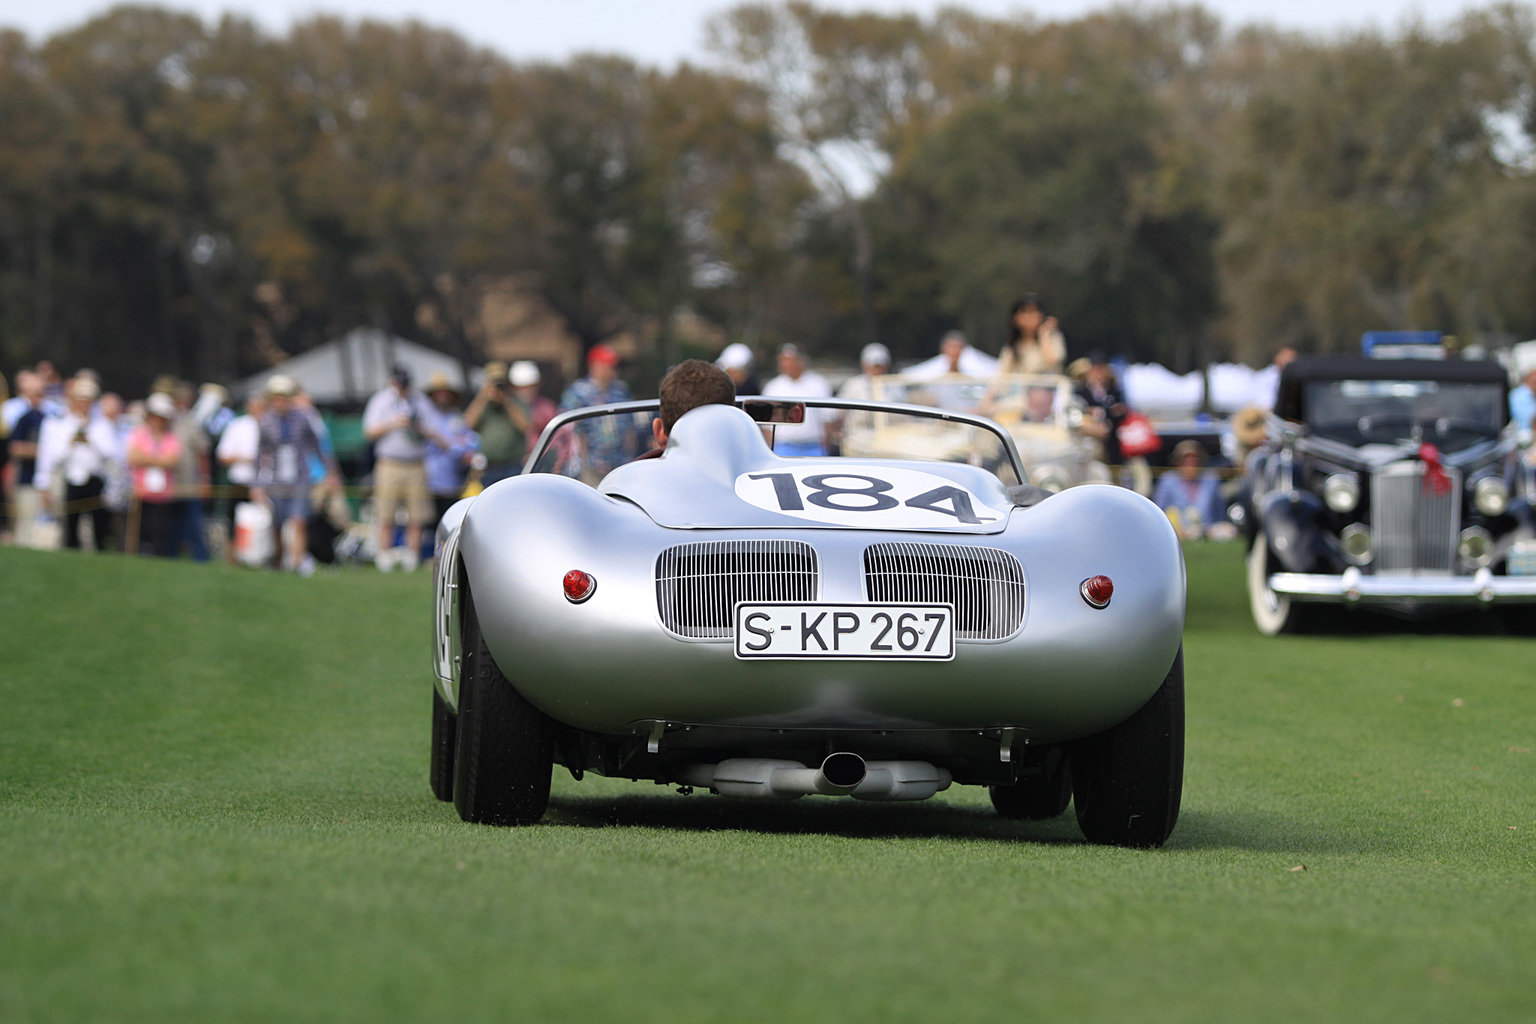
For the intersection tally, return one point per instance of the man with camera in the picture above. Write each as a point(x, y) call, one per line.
point(499, 415)
point(398, 420)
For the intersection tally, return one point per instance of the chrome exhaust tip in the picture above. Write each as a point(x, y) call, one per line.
point(841, 772)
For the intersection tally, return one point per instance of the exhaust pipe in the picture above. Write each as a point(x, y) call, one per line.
point(840, 774)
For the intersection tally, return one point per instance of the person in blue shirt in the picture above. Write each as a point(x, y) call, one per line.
point(1522, 404)
point(1190, 494)
point(450, 451)
point(602, 442)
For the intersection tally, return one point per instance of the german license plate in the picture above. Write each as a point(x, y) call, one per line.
point(870, 632)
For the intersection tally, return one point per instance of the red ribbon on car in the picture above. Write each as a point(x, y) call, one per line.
point(1435, 476)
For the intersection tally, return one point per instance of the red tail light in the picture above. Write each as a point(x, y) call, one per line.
point(579, 586)
point(1097, 590)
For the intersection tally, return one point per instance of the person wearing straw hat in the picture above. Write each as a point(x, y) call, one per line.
point(501, 420)
point(450, 447)
point(1188, 493)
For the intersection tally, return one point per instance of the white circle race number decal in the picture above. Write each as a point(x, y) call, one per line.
point(884, 498)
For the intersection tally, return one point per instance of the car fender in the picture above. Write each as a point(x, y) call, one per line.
point(1290, 523)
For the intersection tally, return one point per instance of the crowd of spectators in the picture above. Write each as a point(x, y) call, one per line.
point(85, 468)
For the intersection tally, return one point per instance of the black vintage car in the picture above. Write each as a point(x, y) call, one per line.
point(1392, 485)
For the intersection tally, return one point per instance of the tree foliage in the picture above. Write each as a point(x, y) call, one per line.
point(206, 197)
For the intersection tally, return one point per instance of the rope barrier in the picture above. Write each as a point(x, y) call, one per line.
point(215, 492)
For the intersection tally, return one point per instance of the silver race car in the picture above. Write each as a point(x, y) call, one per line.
point(732, 618)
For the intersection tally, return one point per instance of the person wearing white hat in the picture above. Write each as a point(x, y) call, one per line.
point(75, 453)
point(737, 361)
point(525, 378)
point(874, 361)
point(154, 451)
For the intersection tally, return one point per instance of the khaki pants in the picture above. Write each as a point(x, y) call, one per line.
point(401, 483)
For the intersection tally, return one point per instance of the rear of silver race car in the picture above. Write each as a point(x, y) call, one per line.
point(653, 651)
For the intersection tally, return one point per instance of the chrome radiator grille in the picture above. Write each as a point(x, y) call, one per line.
point(1413, 528)
point(698, 585)
point(986, 585)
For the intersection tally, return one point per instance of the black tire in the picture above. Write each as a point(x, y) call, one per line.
point(445, 726)
point(505, 745)
point(1127, 781)
point(1040, 793)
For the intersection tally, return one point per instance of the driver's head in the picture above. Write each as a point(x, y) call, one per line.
point(690, 384)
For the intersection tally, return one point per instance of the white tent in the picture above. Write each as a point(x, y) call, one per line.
point(350, 369)
point(1158, 391)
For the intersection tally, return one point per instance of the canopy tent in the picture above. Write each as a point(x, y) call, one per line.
point(348, 370)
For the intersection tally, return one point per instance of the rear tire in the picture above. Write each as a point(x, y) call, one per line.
point(1041, 794)
point(445, 725)
point(1272, 614)
point(505, 745)
point(1127, 781)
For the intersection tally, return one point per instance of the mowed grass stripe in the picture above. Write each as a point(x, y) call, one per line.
point(213, 806)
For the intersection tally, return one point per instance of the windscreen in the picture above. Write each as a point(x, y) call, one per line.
point(588, 448)
point(1449, 414)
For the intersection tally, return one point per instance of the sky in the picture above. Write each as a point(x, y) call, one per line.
point(663, 32)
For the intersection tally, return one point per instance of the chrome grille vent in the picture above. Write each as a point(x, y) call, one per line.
point(698, 585)
point(1413, 528)
point(986, 585)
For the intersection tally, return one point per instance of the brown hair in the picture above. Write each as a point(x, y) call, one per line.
point(690, 384)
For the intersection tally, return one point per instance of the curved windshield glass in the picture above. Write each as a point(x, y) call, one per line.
point(1449, 414)
point(596, 441)
point(1007, 398)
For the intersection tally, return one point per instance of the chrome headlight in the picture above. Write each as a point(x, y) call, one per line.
point(1341, 492)
point(1476, 546)
point(1356, 542)
point(1491, 496)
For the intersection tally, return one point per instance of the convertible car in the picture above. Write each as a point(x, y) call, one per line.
point(1392, 485)
point(725, 618)
point(1037, 410)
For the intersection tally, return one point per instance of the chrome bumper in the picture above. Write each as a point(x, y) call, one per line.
point(1354, 587)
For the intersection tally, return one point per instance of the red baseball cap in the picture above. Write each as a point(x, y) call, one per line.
point(604, 355)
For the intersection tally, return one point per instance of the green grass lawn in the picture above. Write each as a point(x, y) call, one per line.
point(213, 806)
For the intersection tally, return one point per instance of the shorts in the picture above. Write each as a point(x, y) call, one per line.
point(401, 483)
point(284, 509)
